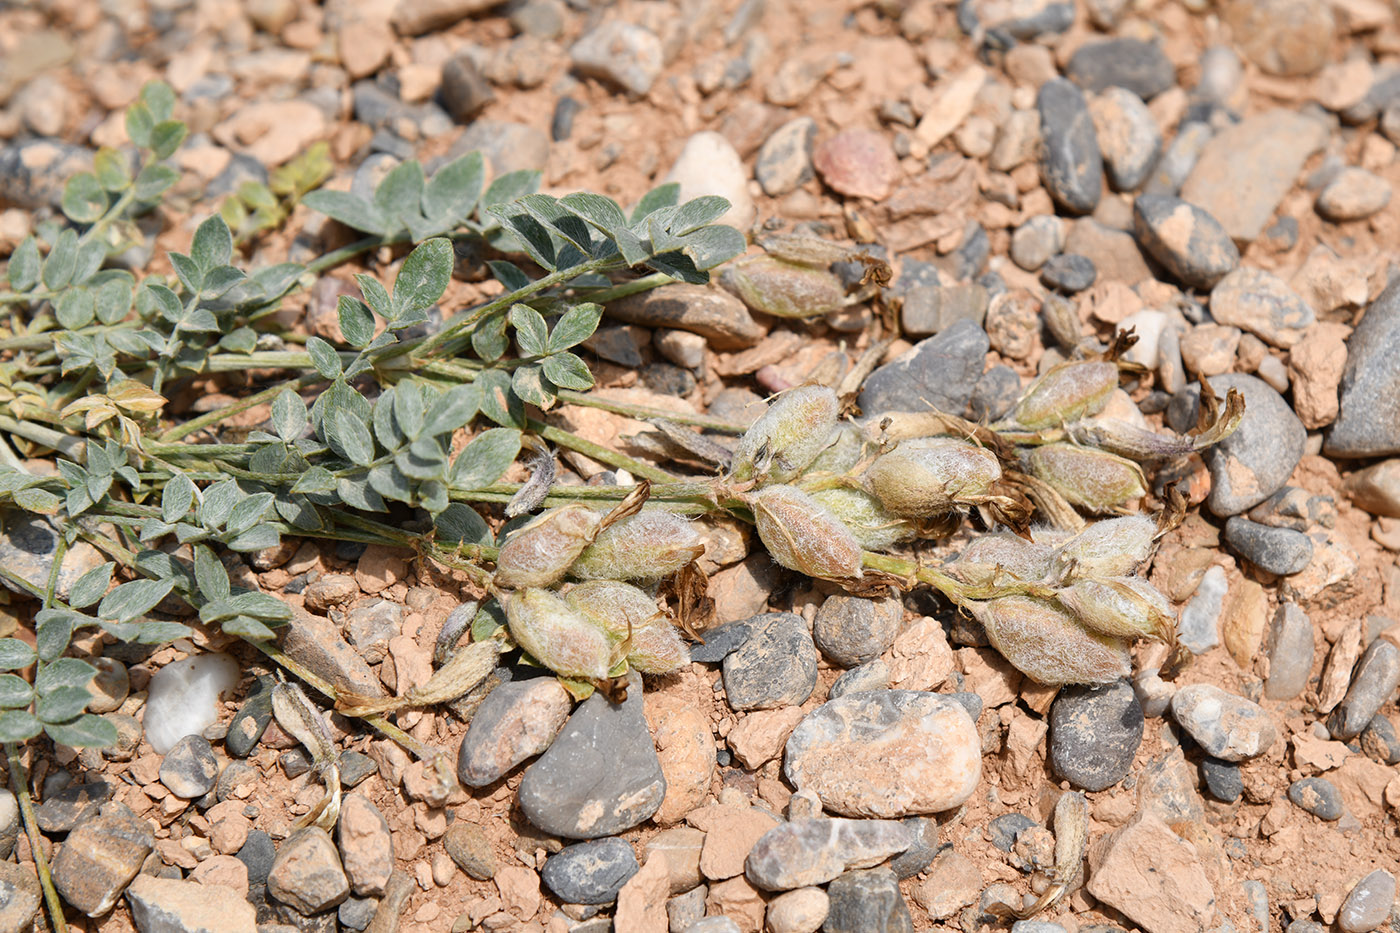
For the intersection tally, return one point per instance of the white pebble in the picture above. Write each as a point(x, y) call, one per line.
point(184, 698)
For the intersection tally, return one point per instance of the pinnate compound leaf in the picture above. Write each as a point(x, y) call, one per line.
point(176, 498)
point(61, 261)
point(166, 137)
point(576, 326)
point(510, 186)
point(529, 383)
point(353, 439)
point(65, 672)
point(659, 197)
point(401, 191)
point(376, 296)
point(210, 574)
point(154, 181)
point(53, 630)
point(452, 409)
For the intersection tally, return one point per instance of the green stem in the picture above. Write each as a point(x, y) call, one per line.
point(242, 405)
point(75, 448)
point(624, 289)
point(600, 453)
point(19, 785)
point(645, 412)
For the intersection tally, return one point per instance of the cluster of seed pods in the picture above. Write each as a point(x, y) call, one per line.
point(831, 500)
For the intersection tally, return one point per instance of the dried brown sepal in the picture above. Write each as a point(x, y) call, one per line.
point(557, 636)
point(1066, 392)
point(787, 437)
point(803, 535)
point(541, 552)
point(1091, 479)
point(1047, 644)
point(849, 389)
point(649, 545)
point(1123, 341)
point(922, 478)
point(542, 473)
point(1124, 607)
point(877, 272)
point(630, 505)
point(1142, 444)
point(1173, 511)
point(458, 677)
point(1207, 410)
point(689, 588)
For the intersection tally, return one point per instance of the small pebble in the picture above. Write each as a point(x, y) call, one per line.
point(1129, 137)
point(1003, 831)
point(852, 630)
point(1185, 239)
point(1226, 726)
point(1094, 734)
point(1071, 163)
point(1222, 779)
point(775, 667)
point(1353, 194)
point(867, 902)
point(1036, 240)
point(809, 852)
point(872, 676)
point(1379, 740)
point(1369, 904)
point(470, 849)
point(1140, 67)
point(1373, 682)
point(1068, 272)
point(517, 721)
point(190, 768)
point(784, 161)
point(621, 53)
point(1318, 796)
point(857, 163)
point(1289, 649)
point(1278, 550)
point(590, 872)
point(257, 854)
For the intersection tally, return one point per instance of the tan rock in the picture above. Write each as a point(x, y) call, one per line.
point(1315, 368)
point(920, 658)
point(364, 47)
point(730, 832)
point(680, 846)
point(952, 882)
point(380, 567)
point(759, 738)
point(1315, 755)
point(742, 591)
point(641, 904)
point(1362, 783)
point(686, 750)
point(187, 905)
point(1242, 621)
point(1376, 488)
point(1336, 673)
point(519, 888)
point(989, 675)
point(799, 911)
point(1154, 877)
point(738, 900)
point(273, 131)
point(223, 870)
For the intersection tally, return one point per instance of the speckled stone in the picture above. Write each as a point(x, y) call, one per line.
point(1373, 682)
point(1278, 550)
point(1070, 161)
point(1226, 726)
point(1369, 422)
point(808, 852)
point(1319, 797)
point(1189, 242)
point(1369, 904)
point(590, 872)
point(1138, 66)
point(1094, 734)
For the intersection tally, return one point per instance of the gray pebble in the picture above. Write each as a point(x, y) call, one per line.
point(1369, 422)
point(874, 675)
point(1003, 831)
point(1373, 682)
point(713, 925)
point(1036, 926)
point(1254, 462)
point(561, 125)
point(624, 54)
point(355, 767)
point(251, 720)
point(852, 630)
point(1070, 160)
point(1318, 796)
point(1278, 550)
point(1289, 649)
point(357, 912)
point(64, 809)
point(1263, 304)
point(1306, 926)
point(190, 768)
point(1222, 779)
point(1140, 67)
point(541, 18)
point(1129, 137)
point(775, 667)
point(939, 372)
point(1068, 272)
point(784, 162)
point(995, 394)
point(375, 105)
point(469, 848)
point(1188, 241)
point(235, 774)
point(1198, 627)
point(867, 902)
point(922, 852)
point(1179, 158)
point(1369, 904)
point(294, 762)
point(1094, 734)
point(814, 851)
point(1036, 240)
point(929, 309)
point(516, 721)
point(601, 775)
point(590, 872)
point(20, 897)
point(27, 545)
point(685, 910)
point(1379, 740)
point(307, 875)
point(1295, 508)
point(257, 856)
point(100, 857)
point(1225, 725)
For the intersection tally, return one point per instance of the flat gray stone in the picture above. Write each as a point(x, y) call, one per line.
point(1368, 424)
point(1070, 162)
point(810, 852)
point(1094, 734)
point(1373, 682)
point(1289, 649)
point(516, 721)
point(1278, 550)
point(939, 372)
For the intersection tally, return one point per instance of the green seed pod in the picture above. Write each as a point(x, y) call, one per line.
point(1089, 478)
point(1046, 643)
point(1066, 392)
point(802, 535)
point(557, 636)
point(1005, 553)
point(788, 437)
point(647, 546)
point(658, 649)
point(617, 608)
point(1125, 607)
point(926, 477)
point(539, 553)
point(874, 528)
point(1113, 547)
point(785, 289)
point(845, 450)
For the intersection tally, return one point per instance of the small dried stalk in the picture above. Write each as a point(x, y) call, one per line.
point(302, 721)
point(468, 667)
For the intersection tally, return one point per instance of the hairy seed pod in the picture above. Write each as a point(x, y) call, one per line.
point(557, 636)
point(647, 546)
point(926, 477)
point(657, 649)
point(1125, 607)
point(874, 528)
point(1046, 643)
point(785, 289)
point(787, 438)
point(1066, 392)
point(802, 535)
point(1002, 553)
point(845, 450)
point(1113, 547)
point(1089, 478)
point(617, 608)
point(539, 553)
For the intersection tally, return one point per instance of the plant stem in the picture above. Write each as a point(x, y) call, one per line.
point(645, 412)
point(19, 785)
point(624, 289)
point(75, 448)
point(600, 453)
point(242, 405)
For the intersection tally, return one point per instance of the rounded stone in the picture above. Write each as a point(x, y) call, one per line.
point(590, 872)
point(887, 753)
point(190, 768)
point(1187, 240)
point(867, 902)
point(1373, 682)
point(1068, 272)
point(1094, 734)
point(1222, 779)
point(776, 665)
point(1137, 66)
point(1380, 741)
point(1369, 904)
point(858, 164)
point(1354, 194)
point(1036, 240)
point(1070, 161)
point(1319, 797)
point(468, 846)
point(851, 630)
point(1280, 551)
point(307, 874)
point(516, 721)
point(800, 911)
point(1226, 726)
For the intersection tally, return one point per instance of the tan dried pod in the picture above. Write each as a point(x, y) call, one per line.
point(541, 552)
point(927, 477)
point(874, 528)
point(1113, 547)
point(1046, 643)
point(785, 289)
point(1002, 553)
point(617, 608)
point(787, 437)
point(803, 535)
point(647, 546)
point(1065, 392)
point(1125, 607)
point(557, 636)
point(1089, 478)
